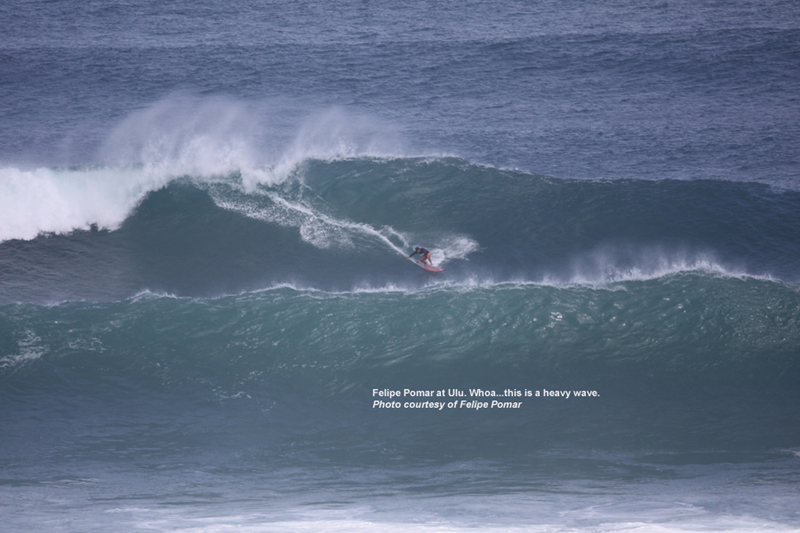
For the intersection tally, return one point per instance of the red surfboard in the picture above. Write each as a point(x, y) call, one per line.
point(430, 268)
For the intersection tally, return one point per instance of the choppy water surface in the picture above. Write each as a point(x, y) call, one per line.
point(204, 216)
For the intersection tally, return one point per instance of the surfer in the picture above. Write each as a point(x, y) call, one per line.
point(424, 255)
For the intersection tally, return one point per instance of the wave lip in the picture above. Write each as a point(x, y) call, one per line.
point(216, 136)
point(608, 266)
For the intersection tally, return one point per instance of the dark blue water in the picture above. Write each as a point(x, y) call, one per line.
point(205, 305)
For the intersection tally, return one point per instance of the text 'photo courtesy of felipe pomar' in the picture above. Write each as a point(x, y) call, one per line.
point(442, 266)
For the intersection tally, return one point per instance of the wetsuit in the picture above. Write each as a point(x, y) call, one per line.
point(425, 255)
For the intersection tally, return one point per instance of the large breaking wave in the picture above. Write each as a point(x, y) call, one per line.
point(346, 223)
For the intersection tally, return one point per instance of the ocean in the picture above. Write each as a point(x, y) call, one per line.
point(209, 321)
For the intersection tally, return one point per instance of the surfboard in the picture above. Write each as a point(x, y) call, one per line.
point(429, 268)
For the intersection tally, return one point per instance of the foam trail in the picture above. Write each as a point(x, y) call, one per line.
point(325, 231)
point(319, 229)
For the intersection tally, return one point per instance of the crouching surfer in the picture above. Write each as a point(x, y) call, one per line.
point(424, 255)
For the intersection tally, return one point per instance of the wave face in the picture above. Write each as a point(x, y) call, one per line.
point(344, 224)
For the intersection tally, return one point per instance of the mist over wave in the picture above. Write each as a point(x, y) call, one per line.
point(263, 142)
point(206, 139)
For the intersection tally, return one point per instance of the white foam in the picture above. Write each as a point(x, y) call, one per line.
point(675, 518)
point(59, 201)
point(452, 247)
point(30, 349)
